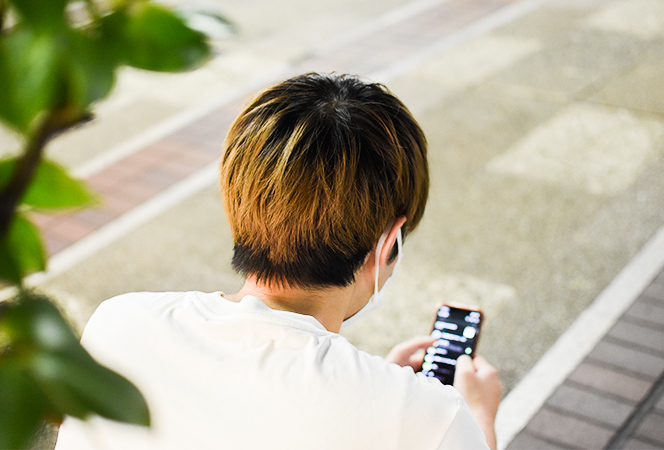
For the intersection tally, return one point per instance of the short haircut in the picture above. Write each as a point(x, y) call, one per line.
point(313, 171)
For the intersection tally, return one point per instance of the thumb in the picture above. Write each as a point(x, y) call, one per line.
point(465, 364)
point(402, 354)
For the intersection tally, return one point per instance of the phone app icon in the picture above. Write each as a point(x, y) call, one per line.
point(469, 332)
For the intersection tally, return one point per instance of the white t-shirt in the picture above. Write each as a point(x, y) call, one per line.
point(226, 375)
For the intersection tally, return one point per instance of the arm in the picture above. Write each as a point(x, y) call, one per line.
point(478, 383)
point(475, 379)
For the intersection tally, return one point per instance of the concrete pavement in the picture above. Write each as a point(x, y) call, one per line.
point(546, 131)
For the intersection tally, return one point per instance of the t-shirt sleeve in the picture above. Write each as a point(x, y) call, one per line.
point(464, 432)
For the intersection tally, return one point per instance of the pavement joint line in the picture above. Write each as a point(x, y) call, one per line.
point(131, 220)
point(531, 393)
point(190, 115)
point(66, 257)
point(572, 347)
point(104, 236)
point(631, 425)
point(178, 121)
point(490, 22)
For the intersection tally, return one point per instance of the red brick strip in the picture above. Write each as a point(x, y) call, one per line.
point(147, 172)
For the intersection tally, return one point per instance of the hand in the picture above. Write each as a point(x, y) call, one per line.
point(478, 383)
point(411, 352)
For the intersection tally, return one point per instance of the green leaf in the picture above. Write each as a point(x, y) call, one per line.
point(157, 39)
point(40, 70)
point(32, 321)
point(41, 13)
point(23, 406)
point(70, 380)
point(21, 250)
point(51, 188)
point(28, 63)
point(87, 67)
point(79, 386)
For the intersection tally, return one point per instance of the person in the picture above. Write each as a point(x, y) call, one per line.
point(323, 176)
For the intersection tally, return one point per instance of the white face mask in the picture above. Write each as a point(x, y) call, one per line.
point(377, 298)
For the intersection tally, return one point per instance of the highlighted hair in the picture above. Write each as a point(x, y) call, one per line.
point(313, 171)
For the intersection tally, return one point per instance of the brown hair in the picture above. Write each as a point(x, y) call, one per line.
point(313, 171)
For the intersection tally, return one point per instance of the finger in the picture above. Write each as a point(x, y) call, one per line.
point(414, 344)
point(416, 359)
point(419, 342)
point(465, 364)
point(464, 371)
point(402, 353)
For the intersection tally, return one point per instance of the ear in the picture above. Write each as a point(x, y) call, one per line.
point(390, 239)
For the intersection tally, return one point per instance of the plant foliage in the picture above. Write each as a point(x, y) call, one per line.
point(45, 373)
point(57, 58)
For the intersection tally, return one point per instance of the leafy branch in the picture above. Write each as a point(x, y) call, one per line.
point(53, 68)
point(26, 165)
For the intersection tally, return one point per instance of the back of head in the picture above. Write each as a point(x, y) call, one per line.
point(313, 171)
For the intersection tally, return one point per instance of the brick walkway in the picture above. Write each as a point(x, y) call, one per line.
point(615, 397)
point(142, 175)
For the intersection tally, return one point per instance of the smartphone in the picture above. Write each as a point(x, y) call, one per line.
point(457, 330)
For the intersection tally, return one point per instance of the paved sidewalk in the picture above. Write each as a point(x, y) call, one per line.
point(150, 170)
point(615, 398)
point(546, 130)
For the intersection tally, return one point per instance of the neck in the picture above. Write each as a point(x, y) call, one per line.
point(330, 306)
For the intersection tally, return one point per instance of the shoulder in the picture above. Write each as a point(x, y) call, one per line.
point(123, 317)
point(140, 301)
point(123, 328)
point(133, 305)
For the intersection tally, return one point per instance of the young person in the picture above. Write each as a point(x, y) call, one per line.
point(323, 177)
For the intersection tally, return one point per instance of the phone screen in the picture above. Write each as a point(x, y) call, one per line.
point(456, 331)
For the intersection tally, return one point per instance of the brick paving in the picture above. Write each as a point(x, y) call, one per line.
point(152, 169)
point(615, 398)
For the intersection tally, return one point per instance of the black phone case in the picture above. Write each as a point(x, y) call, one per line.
point(457, 330)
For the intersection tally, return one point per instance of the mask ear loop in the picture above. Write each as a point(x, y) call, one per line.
point(379, 249)
point(375, 299)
